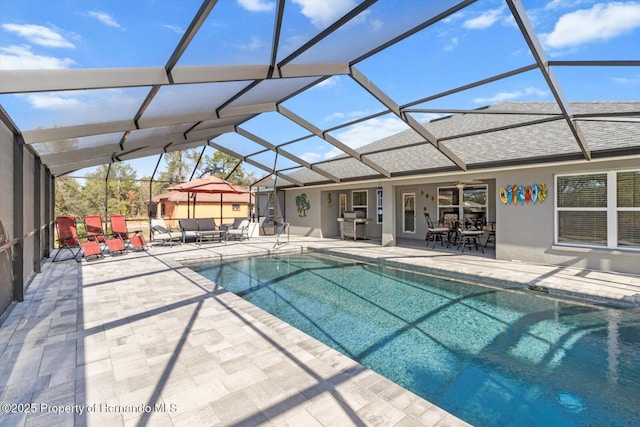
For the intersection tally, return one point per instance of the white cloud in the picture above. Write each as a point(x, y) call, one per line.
point(39, 35)
point(257, 5)
point(600, 23)
point(325, 12)
point(370, 131)
point(453, 43)
point(105, 18)
point(485, 20)
point(53, 102)
point(174, 28)
point(22, 58)
point(626, 80)
point(330, 82)
point(312, 157)
point(506, 96)
point(254, 44)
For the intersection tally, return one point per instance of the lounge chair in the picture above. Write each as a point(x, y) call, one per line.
point(239, 233)
point(89, 249)
point(119, 229)
point(93, 229)
point(67, 236)
point(95, 232)
point(160, 232)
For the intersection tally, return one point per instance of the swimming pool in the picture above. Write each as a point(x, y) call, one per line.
point(489, 356)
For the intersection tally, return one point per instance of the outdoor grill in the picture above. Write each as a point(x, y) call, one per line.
point(352, 225)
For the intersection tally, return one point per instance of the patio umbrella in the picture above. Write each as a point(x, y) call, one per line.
point(210, 185)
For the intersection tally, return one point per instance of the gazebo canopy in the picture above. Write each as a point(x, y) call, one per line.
point(423, 112)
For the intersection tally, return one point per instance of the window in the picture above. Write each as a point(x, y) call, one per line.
point(359, 201)
point(379, 204)
point(235, 207)
point(628, 208)
point(473, 208)
point(598, 209)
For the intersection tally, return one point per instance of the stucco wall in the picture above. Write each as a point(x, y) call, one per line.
point(526, 232)
point(311, 224)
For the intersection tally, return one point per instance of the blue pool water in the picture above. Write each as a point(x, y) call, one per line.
point(492, 357)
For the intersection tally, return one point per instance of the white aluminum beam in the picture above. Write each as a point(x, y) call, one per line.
point(383, 98)
point(331, 140)
point(529, 34)
point(286, 154)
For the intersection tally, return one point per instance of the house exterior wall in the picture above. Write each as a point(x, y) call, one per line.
point(311, 224)
point(175, 211)
point(524, 232)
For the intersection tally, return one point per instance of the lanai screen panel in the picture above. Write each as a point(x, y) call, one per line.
point(303, 175)
point(422, 157)
point(335, 101)
point(238, 144)
point(72, 108)
point(186, 98)
point(383, 21)
point(438, 58)
point(518, 144)
point(268, 91)
point(313, 149)
point(233, 35)
point(274, 128)
point(157, 136)
point(370, 131)
point(348, 168)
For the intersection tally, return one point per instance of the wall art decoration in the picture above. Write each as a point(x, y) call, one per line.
point(303, 205)
point(514, 194)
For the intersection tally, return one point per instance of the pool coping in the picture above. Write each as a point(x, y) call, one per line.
point(536, 285)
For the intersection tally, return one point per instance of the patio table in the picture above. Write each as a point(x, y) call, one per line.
point(210, 235)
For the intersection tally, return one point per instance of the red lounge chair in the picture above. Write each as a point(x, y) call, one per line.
point(116, 246)
point(132, 239)
point(119, 227)
point(94, 230)
point(138, 243)
point(67, 236)
point(90, 248)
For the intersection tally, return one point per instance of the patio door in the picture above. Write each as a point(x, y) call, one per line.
point(409, 213)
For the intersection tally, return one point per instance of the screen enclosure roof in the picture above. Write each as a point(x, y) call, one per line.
point(355, 90)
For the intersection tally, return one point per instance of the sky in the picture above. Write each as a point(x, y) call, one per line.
point(480, 41)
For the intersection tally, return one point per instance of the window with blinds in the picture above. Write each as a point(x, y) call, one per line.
point(599, 209)
point(628, 208)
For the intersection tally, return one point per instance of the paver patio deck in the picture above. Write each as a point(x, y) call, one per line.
point(139, 339)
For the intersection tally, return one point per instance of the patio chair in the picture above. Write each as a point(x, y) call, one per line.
point(95, 232)
point(131, 239)
point(93, 229)
point(468, 238)
point(90, 249)
point(67, 236)
point(160, 232)
point(241, 232)
point(435, 233)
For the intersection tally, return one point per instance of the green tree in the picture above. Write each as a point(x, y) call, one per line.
point(179, 167)
point(122, 191)
point(68, 200)
point(224, 164)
